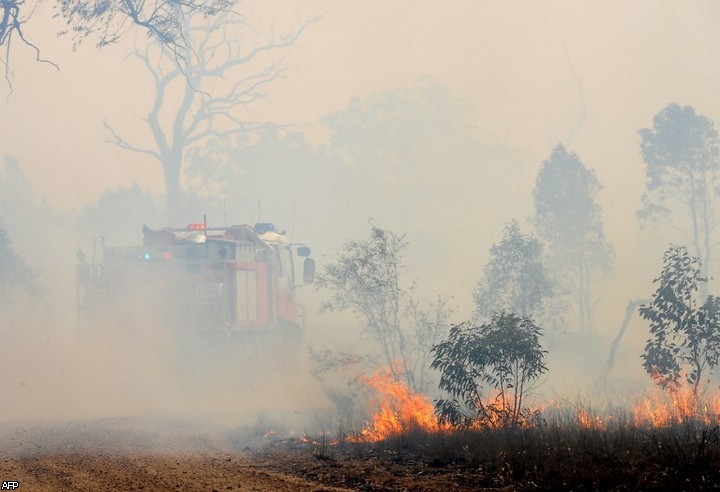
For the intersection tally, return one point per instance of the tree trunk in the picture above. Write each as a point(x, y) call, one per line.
point(173, 193)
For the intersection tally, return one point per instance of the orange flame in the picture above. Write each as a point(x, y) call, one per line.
point(398, 409)
point(676, 405)
point(586, 420)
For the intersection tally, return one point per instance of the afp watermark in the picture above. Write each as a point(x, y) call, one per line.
point(9, 485)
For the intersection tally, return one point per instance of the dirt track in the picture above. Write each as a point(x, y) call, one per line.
point(161, 453)
point(138, 454)
point(186, 472)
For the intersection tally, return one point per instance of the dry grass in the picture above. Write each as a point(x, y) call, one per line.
point(565, 455)
point(563, 452)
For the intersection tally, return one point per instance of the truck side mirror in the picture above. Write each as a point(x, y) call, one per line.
point(308, 271)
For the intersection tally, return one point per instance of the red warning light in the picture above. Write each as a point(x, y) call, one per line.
point(196, 227)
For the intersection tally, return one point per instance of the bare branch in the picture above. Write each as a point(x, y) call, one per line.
point(109, 20)
point(123, 144)
point(11, 24)
point(218, 78)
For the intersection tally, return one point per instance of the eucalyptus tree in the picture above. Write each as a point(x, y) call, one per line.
point(206, 93)
point(367, 279)
point(106, 21)
point(681, 153)
point(684, 341)
point(568, 219)
point(514, 279)
point(505, 355)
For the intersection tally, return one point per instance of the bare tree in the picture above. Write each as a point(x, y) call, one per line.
point(205, 94)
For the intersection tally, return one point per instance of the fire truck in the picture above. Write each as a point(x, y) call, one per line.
point(200, 278)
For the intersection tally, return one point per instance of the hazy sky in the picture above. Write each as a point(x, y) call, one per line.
point(587, 73)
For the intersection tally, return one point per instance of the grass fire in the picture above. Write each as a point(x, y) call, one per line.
point(377, 246)
point(396, 410)
point(657, 441)
point(474, 396)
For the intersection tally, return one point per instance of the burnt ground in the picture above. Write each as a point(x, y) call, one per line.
point(161, 453)
point(157, 455)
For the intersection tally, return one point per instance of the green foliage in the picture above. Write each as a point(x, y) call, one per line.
point(366, 280)
point(567, 218)
point(684, 326)
point(505, 355)
point(681, 153)
point(514, 279)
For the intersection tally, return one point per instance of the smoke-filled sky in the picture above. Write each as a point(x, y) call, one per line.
point(587, 73)
point(530, 75)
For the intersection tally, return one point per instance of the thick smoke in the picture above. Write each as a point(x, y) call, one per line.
point(123, 371)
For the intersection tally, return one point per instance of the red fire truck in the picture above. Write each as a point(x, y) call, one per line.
point(200, 278)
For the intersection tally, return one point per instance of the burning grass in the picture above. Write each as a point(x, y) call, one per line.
point(397, 410)
point(560, 454)
point(664, 441)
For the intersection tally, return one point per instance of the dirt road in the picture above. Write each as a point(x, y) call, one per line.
point(174, 454)
point(182, 472)
point(148, 453)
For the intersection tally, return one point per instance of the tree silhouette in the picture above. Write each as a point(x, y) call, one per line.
point(514, 279)
point(16, 278)
point(681, 153)
point(567, 217)
point(107, 20)
point(206, 95)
